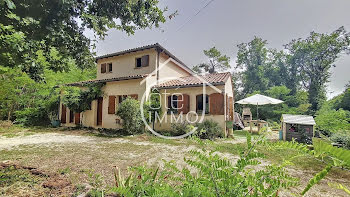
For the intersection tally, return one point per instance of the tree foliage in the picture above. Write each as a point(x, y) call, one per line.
point(304, 65)
point(331, 121)
point(216, 61)
point(48, 34)
point(252, 58)
point(26, 101)
point(314, 56)
point(293, 104)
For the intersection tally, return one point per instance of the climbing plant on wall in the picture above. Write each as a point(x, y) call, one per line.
point(79, 99)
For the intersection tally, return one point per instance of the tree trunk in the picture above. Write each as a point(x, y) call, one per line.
point(9, 115)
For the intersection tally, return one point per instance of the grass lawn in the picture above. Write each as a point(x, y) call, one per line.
point(87, 158)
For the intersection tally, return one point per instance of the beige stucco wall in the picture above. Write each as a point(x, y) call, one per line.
point(135, 86)
point(192, 92)
point(169, 70)
point(124, 65)
point(127, 87)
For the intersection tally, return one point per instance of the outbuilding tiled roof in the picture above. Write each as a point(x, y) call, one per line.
point(81, 83)
point(298, 119)
point(214, 79)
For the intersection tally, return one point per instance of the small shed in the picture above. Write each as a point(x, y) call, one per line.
point(297, 127)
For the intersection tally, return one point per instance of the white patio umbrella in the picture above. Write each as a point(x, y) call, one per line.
point(257, 100)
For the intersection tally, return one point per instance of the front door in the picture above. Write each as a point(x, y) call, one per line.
point(99, 110)
point(63, 114)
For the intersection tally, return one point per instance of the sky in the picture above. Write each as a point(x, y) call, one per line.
point(227, 23)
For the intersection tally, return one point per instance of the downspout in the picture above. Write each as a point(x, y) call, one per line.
point(223, 92)
point(157, 66)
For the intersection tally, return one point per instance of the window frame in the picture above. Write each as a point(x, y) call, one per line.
point(207, 104)
point(103, 69)
point(171, 105)
point(110, 67)
point(141, 61)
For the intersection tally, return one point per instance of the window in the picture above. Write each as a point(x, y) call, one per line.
point(138, 63)
point(121, 98)
point(103, 68)
point(71, 116)
point(172, 104)
point(106, 67)
point(202, 103)
point(142, 61)
point(110, 67)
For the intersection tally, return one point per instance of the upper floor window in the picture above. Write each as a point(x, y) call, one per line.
point(142, 61)
point(110, 67)
point(106, 67)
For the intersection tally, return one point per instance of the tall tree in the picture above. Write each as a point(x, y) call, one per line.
point(314, 56)
point(53, 30)
point(252, 58)
point(217, 61)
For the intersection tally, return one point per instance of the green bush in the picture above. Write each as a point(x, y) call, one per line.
point(275, 126)
point(342, 137)
point(32, 117)
point(40, 115)
point(330, 121)
point(209, 129)
point(129, 111)
point(179, 128)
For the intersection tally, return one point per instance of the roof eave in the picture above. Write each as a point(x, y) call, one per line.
point(155, 46)
point(103, 81)
point(191, 85)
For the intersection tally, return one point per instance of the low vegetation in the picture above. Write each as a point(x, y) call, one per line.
point(209, 129)
point(34, 65)
point(265, 158)
point(333, 119)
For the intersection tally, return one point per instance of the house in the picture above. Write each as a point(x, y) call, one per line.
point(295, 126)
point(135, 72)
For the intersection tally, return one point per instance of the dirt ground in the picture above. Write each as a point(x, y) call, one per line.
point(78, 154)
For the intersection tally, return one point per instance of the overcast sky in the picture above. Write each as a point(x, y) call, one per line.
point(226, 23)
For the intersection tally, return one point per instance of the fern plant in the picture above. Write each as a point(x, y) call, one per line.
point(339, 158)
point(208, 174)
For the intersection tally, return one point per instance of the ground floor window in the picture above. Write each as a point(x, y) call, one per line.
point(71, 116)
point(202, 103)
point(172, 104)
point(121, 98)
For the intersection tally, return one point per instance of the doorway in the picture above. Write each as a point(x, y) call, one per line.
point(99, 110)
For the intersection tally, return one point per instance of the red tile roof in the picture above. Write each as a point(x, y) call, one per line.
point(214, 79)
point(80, 83)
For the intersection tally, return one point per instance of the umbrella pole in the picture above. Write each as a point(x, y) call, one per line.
point(257, 116)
